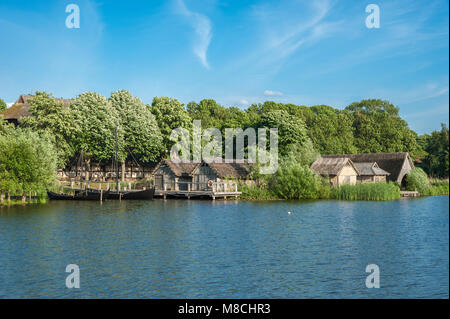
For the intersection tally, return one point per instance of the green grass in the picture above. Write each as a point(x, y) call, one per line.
point(366, 191)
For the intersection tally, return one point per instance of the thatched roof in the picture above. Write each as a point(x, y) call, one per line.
point(231, 170)
point(392, 163)
point(21, 108)
point(178, 169)
point(331, 166)
point(223, 170)
point(370, 169)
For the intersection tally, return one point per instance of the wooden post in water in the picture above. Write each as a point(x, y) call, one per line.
point(101, 195)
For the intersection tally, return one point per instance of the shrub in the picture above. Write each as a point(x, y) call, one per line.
point(297, 181)
point(417, 180)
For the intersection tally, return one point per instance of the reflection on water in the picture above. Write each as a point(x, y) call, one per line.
point(203, 249)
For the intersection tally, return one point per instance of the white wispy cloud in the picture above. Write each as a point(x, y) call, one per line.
point(272, 93)
point(202, 28)
point(10, 104)
point(284, 40)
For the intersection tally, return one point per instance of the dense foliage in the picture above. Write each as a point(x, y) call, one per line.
point(170, 114)
point(141, 135)
point(417, 180)
point(379, 128)
point(295, 181)
point(436, 152)
point(3, 105)
point(27, 162)
point(51, 116)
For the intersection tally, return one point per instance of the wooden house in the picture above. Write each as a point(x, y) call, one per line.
point(340, 171)
point(207, 173)
point(173, 176)
point(196, 176)
point(396, 164)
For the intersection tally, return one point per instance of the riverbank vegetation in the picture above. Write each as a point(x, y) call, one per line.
point(61, 131)
point(417, 180)
point(27, 163)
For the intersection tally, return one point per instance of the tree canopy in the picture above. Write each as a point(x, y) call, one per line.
point(51, 116)
point(28, 161)
point(141, 134)
point(379, 128)
point(95, 122)
point(3, 106)
point(170, 114)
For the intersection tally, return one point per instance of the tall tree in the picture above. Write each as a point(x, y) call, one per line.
point(437, 147)
point(54, 117)
point(95, 121)
point(291, 130)
point(170, 114)
point(330, 129)
point(141, 133)
point(379, 128)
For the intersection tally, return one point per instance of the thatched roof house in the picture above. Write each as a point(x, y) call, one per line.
point(177, 176)
point(20, 109)
point(396, 164)
point(339, 170)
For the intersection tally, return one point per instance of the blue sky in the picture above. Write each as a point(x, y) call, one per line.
point(236, 52)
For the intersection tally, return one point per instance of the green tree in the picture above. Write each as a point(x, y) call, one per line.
point(379, 128)
point(291, 130)
point(3, 106)
point(141, 133)
point(170, 114)
point(436, 146)
point(27, 162)
point(54, 117)
point(330, 129)
point(96, 121)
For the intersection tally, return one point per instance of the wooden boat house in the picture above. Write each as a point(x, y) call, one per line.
point(340, 171)
point(369, 167)
point(396, 164)
point(196, 176)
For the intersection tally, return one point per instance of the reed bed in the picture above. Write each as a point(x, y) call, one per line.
point(366, 191)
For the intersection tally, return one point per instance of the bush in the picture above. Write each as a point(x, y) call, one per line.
point(417, 180)
point(27, 163)
point(366, 191)
point(297, 181)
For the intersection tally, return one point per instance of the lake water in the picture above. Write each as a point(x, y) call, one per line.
point(231, 249)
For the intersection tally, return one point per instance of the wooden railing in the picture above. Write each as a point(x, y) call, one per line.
point(196, 186)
